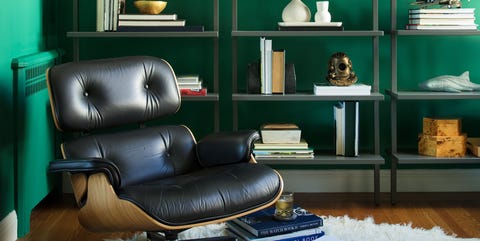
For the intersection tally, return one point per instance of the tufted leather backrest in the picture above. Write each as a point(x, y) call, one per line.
point(104, 93)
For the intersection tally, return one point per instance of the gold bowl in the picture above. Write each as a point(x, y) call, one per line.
point(150, 7)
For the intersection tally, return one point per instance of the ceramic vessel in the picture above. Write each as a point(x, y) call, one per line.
point(322, 15)
point(296, 11)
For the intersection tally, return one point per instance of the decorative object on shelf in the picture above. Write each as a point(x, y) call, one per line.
point(296, 11)
point(340, 70)
point(322, 15)
point(150, 7)
point(442, 138)
point(450, 83)
point(437, 3)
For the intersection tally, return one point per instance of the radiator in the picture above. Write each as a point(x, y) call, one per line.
point(34, 136)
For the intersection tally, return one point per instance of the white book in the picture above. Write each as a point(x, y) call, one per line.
point(441, 15)
point(442, 10)
point(262, 65)
point(100, 17)
point(189, 78)
point(442, 21)
point(268, 67)
point(339, 124)
point(197, 85)
point(440, 27)
point(172, 16)
point(325, 89)
point(151, 23)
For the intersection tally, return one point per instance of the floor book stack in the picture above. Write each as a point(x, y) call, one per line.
point(281, 140)
point(262, 226)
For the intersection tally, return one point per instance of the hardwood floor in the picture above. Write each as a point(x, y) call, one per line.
point(55, 218)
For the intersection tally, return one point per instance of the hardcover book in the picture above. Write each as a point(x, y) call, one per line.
point(302, 235)
point(186, 28)
point(346, 117)
point(261, 146)
point(263, 224)
point(326, 89)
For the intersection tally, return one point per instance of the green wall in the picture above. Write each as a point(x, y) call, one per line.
point(28, 26)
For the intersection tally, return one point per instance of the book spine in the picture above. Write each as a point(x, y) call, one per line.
point(268, 66)
point(310, 237)
point(351, 128)
point(286, 229)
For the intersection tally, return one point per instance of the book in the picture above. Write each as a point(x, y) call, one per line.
point(441, 10)
point(280, 133)
point(193, 92)
point(440, 27)
point(441, 16)
point(172, 16)
point(302, 235)
point(326, 89)
point(186, 28)
point(442, 21)
point(265, 66)
point(278, 71)
point(346, 115)
point(190, 78)
point(100, 15)
point(263, 224)
point(197, 85)
point(179, 22)
point(301, 145)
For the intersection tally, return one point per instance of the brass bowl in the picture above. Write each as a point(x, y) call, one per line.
point(150, 7)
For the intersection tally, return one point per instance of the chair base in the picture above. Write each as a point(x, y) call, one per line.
point(173, 236)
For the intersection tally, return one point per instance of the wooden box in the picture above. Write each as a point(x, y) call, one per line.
point(442, 146)
point(442, 127)
point(473, 145)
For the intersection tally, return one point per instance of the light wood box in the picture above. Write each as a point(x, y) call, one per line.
point(442, 127)
point(442, 146)
point(473, 145)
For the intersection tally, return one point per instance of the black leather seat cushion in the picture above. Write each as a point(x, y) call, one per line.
point(235, 189)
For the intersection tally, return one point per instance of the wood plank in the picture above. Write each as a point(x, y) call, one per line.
point(55, 218)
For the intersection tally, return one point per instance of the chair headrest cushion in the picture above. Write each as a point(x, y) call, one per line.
point(95, 94)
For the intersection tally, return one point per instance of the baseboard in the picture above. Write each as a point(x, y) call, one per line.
point(412, 180)
point(8, 227)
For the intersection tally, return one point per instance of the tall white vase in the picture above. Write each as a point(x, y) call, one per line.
point(322, 15)
point(296, 11)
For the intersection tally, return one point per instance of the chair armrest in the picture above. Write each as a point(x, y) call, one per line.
point(226, 147)
point(88, 166)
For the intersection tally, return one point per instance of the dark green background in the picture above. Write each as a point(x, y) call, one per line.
point(29, 26)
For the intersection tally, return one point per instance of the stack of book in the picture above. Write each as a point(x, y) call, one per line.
point(346, 115)
point(281, 141)
point(191, 85)
point(262, 226)
point(441, 19)
point(111, 16)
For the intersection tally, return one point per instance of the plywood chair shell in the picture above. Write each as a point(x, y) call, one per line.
point(105, 212)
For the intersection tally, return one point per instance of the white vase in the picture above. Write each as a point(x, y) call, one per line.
point(296, 11)
point(322, 15)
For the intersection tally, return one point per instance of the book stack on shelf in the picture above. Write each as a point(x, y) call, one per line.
point(281, 141)
point(441, 19)
point(262, 226)
point(191, 85)
point(346, 115)
point(111, 16)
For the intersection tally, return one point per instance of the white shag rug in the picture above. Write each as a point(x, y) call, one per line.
point(342, 228)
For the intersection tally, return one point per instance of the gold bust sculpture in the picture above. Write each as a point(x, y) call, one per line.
point(340, 70)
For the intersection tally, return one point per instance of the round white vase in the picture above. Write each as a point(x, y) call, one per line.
point(296, 11)
point(322, 15)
